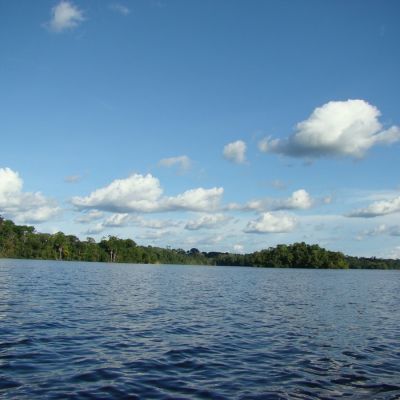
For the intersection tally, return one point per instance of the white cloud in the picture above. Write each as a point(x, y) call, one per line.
point(263, 144)
point(338, 128)
point(156, 223)
point(120, 220)
point(139, 193)
point(120, 8)
point(117, 220)
point(183, 162)
point(206, 221)
point(65, 16)
point(394, 231)
point(378, 230)
point(23, 206)
point(395, 253)
point(378, 208)
point(135, 193)
point(235, 152)
point(155, 234)
point(381, 229)
point(90, 216)
point(209, 241)
point(271, 223)
point(125, 219)
point(371, 195)
point(299, 200)
point(95, 230)
point(10, 183)
point(36, 209)
point(194, 200)
point(238, 249)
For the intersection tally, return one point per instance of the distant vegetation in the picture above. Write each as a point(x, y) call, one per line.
point(22, 241)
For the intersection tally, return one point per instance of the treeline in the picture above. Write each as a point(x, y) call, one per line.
point(372, 263)
point(22, 241)
point(302, 255)
point(297, 255)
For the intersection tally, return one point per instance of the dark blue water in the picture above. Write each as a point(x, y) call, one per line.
point(81, 330)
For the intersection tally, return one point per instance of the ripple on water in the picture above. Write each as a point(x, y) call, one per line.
point(76, 330)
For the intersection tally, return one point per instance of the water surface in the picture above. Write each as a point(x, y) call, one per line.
point(88, 330)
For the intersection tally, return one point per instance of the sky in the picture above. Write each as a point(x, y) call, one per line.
point(222, 125)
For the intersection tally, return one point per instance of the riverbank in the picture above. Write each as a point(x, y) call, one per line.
point(24, 242)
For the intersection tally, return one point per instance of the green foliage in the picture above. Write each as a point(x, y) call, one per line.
point(21, 241)
point(300, 255)
point(372, 263)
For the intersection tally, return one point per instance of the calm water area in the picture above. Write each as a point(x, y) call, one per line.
point(104, 331)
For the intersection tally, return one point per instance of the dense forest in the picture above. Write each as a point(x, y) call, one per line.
point(22, 241)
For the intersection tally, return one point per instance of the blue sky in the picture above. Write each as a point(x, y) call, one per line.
point(221, 125)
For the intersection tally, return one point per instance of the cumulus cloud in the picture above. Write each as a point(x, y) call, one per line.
point(194, 200)
point(213, 239)
point(143, 193)
point(378, 208)
point(299, 200)
point(90, 216)
point(395, 253)
point(155, 234)
point(206, 221)
point(120, 8)
point(135, 193)
point(117, 220)
point(10, 183)
point(95, 230)
point(235, 152)
point(208, 241)
point(238, 248)
point(112, 221)
point(65, 16)
point(338, 128)
point(183, 162)
point(382, 229)
point(23, 206)
point(156, 223)
point(271, 223)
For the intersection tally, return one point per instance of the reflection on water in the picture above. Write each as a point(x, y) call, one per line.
point(82, 330)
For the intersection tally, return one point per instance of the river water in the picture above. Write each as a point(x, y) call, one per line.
point(91, 330)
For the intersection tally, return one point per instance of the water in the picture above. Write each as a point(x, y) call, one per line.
point(82, 330)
